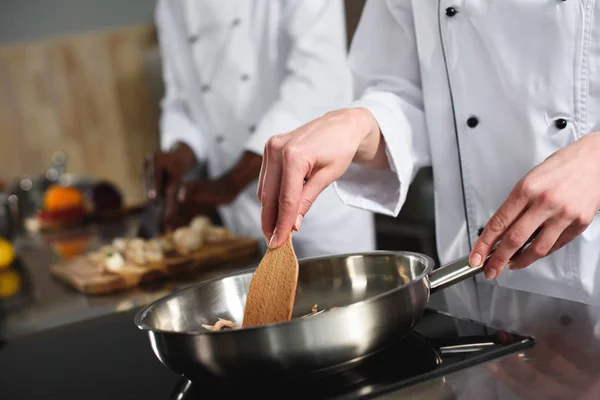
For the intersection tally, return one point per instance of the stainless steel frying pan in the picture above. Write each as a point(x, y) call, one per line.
point(379, 295)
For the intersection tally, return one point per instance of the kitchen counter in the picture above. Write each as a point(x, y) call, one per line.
point(45, 303)
point(564, 363)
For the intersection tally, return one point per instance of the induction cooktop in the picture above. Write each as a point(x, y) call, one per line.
point(439, 344)
point(108, 357)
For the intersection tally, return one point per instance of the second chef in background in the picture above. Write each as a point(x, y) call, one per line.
point(235, 74)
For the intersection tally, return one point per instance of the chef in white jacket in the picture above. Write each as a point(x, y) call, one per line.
point(502, 98)
point(236, 73)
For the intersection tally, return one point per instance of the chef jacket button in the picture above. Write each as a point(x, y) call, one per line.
point(560, 123)
point(236, 22)
point(205, 88)
point(245, 77)
point(480, 231)
point(220, 139)
point(451, 11)
point(472, 122)
point(252, 128)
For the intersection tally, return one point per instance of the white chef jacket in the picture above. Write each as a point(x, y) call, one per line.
point(483, 91)
point(238, 72)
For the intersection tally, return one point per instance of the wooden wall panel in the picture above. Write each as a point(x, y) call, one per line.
point(87, 95)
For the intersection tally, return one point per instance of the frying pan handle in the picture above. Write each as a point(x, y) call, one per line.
point(459, 270)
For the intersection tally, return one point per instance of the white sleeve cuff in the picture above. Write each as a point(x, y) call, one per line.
point(377, 190)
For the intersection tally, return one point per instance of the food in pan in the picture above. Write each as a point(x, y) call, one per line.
point(224, 324)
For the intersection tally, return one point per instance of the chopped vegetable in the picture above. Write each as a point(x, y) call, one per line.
point(114, 262)
point(226, 324)
point(220, 325)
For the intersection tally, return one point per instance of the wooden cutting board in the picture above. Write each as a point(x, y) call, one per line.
point(87, 277)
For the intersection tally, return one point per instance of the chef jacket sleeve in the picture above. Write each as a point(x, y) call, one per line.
point(385, 68)
point(175, 121)
point(317, 78)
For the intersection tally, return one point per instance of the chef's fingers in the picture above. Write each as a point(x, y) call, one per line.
point(591, 392)
point(261, 175)
point(314, 186)
point(497, 226)
point(170, 204)
point(565, 232)
point(271, 185)
point(570, 233)
point(542, 245)
point(199, 193)
point(294, 172)
point(189, 192)
point(516, 236)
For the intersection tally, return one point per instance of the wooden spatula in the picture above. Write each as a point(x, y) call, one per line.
point(273, 287)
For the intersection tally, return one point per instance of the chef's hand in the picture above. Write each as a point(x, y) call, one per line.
point(204, 196)
point(562, 195)
point(163, 172)
point(299, 165)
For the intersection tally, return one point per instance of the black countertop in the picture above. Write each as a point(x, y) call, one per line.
point(563, 363)
point(109, 358)
point(50, 364)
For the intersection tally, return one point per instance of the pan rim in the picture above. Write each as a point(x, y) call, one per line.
point(141, 314)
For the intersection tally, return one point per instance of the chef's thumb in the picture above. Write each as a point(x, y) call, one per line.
point(311, 190)
point(313, 187)
point(185, 192)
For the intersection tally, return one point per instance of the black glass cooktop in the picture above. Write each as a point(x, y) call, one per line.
point(108, 357)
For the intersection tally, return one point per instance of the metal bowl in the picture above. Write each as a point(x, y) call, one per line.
point(379, 295)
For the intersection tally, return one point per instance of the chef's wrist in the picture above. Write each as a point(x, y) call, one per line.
point(371, 150)
point(184, 152)
point(245, 171)
point(226, 187)
point(595, 136)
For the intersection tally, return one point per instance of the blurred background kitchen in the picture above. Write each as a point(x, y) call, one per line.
point(80, 85)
